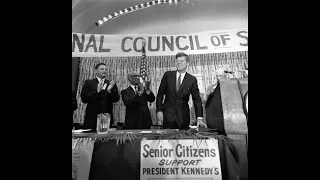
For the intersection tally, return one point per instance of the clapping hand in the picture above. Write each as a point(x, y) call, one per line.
point(104, 86)
point(147, 85)
point(200, 123)
point(140, 88)
point(112, 83)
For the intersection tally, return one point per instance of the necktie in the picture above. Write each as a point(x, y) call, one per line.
point(136, 89)
point(178, 82)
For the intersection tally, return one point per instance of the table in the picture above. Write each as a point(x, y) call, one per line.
point(112, 161)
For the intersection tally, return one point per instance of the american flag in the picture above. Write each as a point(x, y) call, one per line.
point(143, 65)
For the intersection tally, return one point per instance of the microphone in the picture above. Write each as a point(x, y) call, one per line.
point(230, 72)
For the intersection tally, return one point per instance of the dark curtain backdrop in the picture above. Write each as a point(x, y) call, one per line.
point(118, 68)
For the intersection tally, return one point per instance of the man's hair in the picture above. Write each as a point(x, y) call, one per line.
point(97, 66)
point(220, 71)
point(182, 54)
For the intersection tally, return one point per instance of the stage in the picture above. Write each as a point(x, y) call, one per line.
point(117, 155)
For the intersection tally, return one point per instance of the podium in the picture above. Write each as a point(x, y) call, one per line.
point(235, 121)
point(234, 118)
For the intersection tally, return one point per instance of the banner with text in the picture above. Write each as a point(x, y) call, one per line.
point(180, 159)
point(102, 45)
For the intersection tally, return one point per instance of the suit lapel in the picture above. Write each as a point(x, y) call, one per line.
point(96, 82)
point(175, 81)
point(131, 92)
point(184, 82)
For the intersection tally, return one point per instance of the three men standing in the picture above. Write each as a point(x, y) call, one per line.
point(175, 89)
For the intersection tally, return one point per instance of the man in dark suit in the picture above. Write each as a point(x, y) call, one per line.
point(135, 98)
point(99, 94)
point(74, 104)
point(177, 87)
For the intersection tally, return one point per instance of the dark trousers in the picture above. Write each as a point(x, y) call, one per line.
point(172, 125)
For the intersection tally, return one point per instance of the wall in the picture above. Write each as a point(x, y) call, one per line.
point(178, 18)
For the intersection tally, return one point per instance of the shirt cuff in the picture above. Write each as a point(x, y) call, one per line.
point(199, 118)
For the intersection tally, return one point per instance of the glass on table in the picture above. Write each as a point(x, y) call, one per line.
point(103, 123)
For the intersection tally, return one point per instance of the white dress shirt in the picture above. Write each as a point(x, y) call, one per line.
point(105, 85)
point(99, 79)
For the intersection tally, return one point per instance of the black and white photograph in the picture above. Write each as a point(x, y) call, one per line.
point(160, 90)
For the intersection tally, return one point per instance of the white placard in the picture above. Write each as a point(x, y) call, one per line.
point(180, 159)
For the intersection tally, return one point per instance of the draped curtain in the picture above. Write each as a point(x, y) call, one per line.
point(119, 67)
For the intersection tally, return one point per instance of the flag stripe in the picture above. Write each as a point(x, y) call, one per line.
point(143, 65)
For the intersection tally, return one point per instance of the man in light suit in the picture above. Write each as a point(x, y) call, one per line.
point(177, 87)
point(136, 98)
point(100, 94)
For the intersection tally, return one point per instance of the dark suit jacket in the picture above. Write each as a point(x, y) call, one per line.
point(101, 102)
point(175, 107)
point(214, 113)
point(137, 110)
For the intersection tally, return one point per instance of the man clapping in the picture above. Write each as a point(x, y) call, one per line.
point(135, 98)
point(99, 94)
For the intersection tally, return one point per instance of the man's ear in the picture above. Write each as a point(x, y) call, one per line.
point(130, 79)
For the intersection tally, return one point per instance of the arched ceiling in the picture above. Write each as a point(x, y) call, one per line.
point(194, 16)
